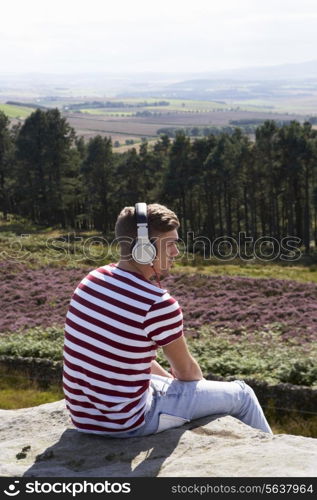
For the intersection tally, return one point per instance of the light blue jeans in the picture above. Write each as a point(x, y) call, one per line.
point(176, 402)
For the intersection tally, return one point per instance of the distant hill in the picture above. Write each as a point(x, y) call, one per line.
point(294, 71)
point(264, 86)
point(259, 83)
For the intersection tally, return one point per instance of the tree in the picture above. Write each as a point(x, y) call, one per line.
point(179, 178)
point(291, 148)
point(6, 163)
point(269, 177)
point(97, 170)
point(44, 158)
point(309, 173)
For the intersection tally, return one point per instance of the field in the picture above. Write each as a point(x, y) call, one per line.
point(136, 127)
point(142, 118)
point(18, 112)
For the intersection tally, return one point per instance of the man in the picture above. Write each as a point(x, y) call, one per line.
point(116, 320)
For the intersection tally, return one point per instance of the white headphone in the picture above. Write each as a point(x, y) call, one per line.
point(143, 250)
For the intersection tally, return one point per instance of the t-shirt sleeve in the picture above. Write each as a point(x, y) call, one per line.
point(164, 321)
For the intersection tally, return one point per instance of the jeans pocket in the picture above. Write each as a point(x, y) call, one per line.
point(160, 385)
point(167, 421)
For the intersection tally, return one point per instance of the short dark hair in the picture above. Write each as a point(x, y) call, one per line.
point(160, 220)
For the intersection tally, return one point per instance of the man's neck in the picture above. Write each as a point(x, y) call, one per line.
point(146, 271)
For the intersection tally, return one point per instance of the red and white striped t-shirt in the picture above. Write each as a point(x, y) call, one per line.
point(115, 321)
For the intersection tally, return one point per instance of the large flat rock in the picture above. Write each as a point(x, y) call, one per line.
point(41, 442)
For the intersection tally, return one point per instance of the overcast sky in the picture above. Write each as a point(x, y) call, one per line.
point(68, 36)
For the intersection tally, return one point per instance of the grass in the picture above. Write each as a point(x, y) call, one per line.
point(105, 112)
point(256, 269)
point(69, 249)
point(291, 422)
point(175, 105)
point(17, 391)
point(16, 111)
point(22, 241)
point(281, 105)
point(298, 105)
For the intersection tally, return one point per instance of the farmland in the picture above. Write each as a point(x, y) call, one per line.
point(18, 112)
point(139, 118)
point(122, 125)
point(87, 124)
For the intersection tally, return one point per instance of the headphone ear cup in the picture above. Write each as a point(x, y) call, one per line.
point(143, 252)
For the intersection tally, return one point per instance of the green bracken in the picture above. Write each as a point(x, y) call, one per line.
point(264, 356)
point(33, 343)
point(221, 351)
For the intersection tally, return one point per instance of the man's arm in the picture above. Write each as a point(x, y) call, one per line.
point(157, 369)
point(184, 366)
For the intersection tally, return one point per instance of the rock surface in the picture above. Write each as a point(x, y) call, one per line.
point(41, 442)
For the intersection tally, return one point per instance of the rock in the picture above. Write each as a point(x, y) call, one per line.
point(42, 442)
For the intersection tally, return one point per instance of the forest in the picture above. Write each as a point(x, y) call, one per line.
point(221, 185)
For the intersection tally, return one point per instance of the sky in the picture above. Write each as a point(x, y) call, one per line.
point(167, 36)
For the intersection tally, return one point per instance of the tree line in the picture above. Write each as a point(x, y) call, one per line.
point(220, 185)
point(113, 104)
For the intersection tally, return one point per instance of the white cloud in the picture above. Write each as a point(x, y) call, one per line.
point(69, 35)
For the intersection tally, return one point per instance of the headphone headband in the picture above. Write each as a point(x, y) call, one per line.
point(141, 213)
